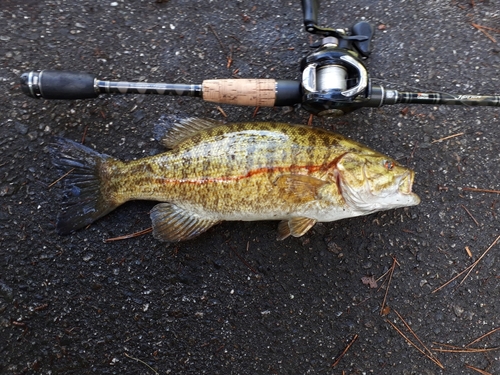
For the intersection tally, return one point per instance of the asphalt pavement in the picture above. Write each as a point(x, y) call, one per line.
point(235, 300)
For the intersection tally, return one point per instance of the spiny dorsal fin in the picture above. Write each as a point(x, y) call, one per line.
point(171, 130)
point(172, 224)
point(300, 187)
point(296, 226)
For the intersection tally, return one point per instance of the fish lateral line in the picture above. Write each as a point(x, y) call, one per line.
point(252, 173)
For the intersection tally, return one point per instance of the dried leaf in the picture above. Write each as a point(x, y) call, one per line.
point(369, 280)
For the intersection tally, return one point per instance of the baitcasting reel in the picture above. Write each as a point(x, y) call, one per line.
point(334, 78)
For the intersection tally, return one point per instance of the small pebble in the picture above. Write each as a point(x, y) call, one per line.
point(458, 310)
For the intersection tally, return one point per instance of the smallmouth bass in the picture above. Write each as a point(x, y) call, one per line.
point(217, 172)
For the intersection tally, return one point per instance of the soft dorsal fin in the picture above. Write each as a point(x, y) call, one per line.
point(296, 226)
point(172, 223)
point(171, 130)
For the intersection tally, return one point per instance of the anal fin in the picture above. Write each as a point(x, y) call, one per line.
point(296, 226)
point(173, 224)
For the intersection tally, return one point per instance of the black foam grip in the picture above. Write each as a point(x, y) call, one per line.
point(53, 84)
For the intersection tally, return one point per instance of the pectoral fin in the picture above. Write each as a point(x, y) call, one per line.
point(173, 224)
point(296, 226)
point(300, 187)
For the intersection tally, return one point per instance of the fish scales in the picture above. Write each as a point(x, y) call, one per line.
point(246, 171)
point(244, 164)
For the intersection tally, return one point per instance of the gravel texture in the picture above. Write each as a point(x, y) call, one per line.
point(236, 301)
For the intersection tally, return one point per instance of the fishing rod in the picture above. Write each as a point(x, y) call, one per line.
point(334, 81)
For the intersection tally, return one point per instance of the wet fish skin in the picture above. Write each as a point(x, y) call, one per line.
point(246, 171)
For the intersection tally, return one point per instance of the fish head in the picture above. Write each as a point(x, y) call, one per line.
point(374, 182)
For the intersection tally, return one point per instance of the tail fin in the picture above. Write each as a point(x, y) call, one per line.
point(85, 198)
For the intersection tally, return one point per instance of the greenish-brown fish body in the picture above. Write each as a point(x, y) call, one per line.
point(245, 171)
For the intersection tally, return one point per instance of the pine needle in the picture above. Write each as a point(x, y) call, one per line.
point(144, 363)
point(469, 268)
point(344, 351)
point(448, 137)
point(432, 358)
point(482, 29)
point(465, 350)
point(131, 235)
point(478, 370)
point(481, 190)
point(414, 334)
point(60, 178)
point(394, 262)
point(483, 336)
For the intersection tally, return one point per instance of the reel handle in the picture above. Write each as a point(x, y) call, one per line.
point(310, 13)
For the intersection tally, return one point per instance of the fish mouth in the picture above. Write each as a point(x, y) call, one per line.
point(406, 183)
point(405, 186)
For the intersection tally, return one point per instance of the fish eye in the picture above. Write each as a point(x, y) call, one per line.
point(388, 165)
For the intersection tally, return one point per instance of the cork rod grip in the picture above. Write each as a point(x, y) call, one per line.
point(250, 92)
